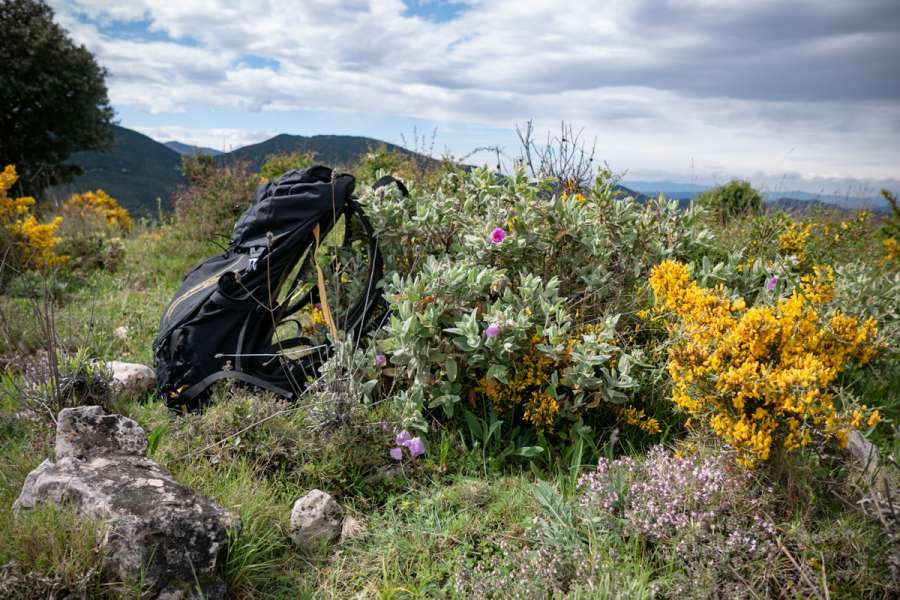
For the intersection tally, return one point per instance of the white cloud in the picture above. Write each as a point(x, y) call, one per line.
point(218, 138)
point(732, 87)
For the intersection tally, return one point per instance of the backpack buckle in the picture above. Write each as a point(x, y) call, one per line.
point(255, 253)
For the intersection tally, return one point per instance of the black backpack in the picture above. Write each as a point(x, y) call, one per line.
point(222, 320)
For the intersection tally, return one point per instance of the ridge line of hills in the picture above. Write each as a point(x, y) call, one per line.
point(143, 174)
point(138, 170)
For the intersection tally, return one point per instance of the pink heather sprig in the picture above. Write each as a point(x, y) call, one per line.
point(665, 496)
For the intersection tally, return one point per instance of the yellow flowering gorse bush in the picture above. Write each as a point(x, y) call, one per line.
point(99, 206)
point(33, 244)
point(764, 375)
point(794, 239)
point(891, 250)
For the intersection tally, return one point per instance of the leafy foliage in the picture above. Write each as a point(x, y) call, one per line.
point(53, 99)
point(24, 241)
point(763, 373)
point(733, 199)
point(505, 298)
point(277, 164)
point(216, 197)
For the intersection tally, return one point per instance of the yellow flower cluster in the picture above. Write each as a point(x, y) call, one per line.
point(764, 374)
point(793, 240)
point(34, 243)
point(99, 205)
point(577, 197)
point(638, 418)
point(892, 250)
point(312, 319)
point(527, 387)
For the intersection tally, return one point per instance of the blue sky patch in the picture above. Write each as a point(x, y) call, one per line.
point(254, 61)
point(137, 31)
point(436, 11)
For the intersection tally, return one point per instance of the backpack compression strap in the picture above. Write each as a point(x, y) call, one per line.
point(201, 386)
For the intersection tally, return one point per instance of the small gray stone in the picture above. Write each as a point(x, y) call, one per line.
point(132, 378)
point(316, 518)
point(214, 589)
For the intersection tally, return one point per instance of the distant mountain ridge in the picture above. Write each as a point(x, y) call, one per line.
point(791, 200)
point(138, 170)
point(335, 150)
point(190, 150)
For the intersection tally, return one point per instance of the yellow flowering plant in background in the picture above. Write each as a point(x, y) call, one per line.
point(891, 249)
point(92, 231)
point(27, 242)
point(99, 206)
point(762, 378)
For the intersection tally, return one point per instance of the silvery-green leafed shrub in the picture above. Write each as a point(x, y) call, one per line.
point(507, 298)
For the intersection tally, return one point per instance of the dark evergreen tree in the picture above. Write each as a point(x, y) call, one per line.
point(53, 99)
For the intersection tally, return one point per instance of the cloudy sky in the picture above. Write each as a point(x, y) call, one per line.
point(799, 94)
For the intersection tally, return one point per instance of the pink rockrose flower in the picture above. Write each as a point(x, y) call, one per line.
point(397, 453)
point(415, 446)
point(380, 360)
point(403, 437)
point(498, 235)
point(492, 330)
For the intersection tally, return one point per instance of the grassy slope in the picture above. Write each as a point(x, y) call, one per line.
point(137, 171)
point(421, 529)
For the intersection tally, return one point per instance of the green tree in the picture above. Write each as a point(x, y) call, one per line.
point(53, 98)
point(277, 164)
point(733, 199)
point(891, 224)
point(382, 160)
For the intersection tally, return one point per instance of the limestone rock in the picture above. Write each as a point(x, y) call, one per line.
point(155, 528)
point(316, 518)
point(132, 378)
point(87, 431)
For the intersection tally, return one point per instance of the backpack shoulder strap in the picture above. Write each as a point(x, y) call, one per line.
point(389, 179)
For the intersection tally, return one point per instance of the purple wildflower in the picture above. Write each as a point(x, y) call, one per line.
point(383, 424)
point(772, 283)
point(415, 446)
point(402, 438)
point(397, 453)
point(380, 360)
point(498, 235)
point(492, 330)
